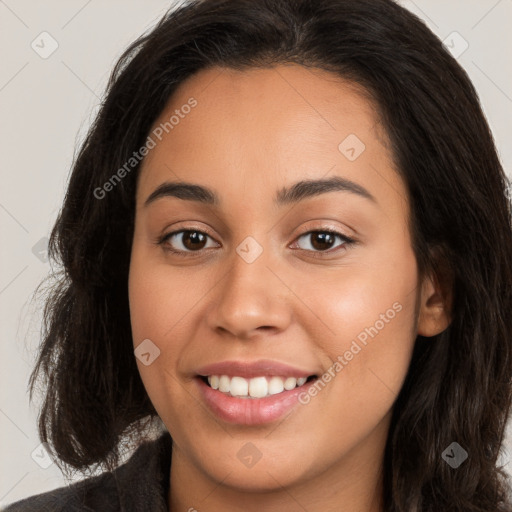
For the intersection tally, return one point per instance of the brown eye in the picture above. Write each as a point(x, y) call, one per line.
point(186, 240)
point(322, 241)
point(193, 240)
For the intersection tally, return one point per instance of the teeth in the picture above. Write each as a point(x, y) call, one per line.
point(224, 383)
point(290, 383)
point(257, 387)
point(213, 380)
point(239, 387)
point(275, 386)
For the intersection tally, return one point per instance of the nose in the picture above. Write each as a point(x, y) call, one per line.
point(251, 299)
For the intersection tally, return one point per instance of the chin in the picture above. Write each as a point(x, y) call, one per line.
point(263, 480)
point(270, 472)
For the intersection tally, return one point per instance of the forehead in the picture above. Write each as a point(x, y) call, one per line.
point(262, 128)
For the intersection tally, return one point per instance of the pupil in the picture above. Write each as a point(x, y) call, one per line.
point(325, 240)
point(193, 240)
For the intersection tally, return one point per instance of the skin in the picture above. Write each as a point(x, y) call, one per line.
point(252, 133)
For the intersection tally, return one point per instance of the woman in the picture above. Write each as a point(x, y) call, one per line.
point(287, 241)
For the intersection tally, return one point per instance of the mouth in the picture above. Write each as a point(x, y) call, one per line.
point(252, 401)
point(256, 387)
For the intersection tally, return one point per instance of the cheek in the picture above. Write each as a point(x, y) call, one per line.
point(365, 321)
point(367, 291)
point(154, 309)
point(164, 303)
point(159, 297)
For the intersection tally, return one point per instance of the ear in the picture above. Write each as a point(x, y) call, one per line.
point(435, 304)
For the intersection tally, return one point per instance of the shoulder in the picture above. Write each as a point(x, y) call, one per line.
point(95, 493)
point(141, 481)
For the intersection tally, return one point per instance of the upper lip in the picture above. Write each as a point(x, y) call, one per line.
point(249, 369)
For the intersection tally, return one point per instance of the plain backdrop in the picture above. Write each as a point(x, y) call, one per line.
point(46, 105)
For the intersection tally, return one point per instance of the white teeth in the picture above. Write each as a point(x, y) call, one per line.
point(290, 383)
point(224, 383)
point(239, 386)
point(257, 387)
point(275, 386)
point(213, 380)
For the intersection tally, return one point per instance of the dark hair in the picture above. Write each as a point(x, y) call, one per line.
point(458, 387)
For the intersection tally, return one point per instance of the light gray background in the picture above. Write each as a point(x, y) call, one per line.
point(46, 106)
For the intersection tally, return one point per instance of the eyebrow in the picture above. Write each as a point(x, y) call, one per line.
point(297, 192)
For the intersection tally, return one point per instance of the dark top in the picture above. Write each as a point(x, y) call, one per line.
point(141, 484)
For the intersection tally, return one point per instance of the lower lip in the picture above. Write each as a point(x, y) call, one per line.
point(250, 411)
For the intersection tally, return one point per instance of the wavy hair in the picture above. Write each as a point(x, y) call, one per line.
point(458, 387)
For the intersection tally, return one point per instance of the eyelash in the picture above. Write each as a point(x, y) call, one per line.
point(317, 254)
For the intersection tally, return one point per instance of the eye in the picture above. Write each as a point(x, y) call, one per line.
point(323, 241)
point(186, 240)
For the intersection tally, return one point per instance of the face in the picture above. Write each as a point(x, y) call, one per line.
point(294, 265)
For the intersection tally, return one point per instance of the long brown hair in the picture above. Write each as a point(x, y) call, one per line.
point(458, 387)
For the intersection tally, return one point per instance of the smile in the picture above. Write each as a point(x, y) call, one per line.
point(256, 401)
point(257, 387)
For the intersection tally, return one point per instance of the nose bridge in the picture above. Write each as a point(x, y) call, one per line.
point(250, 296)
